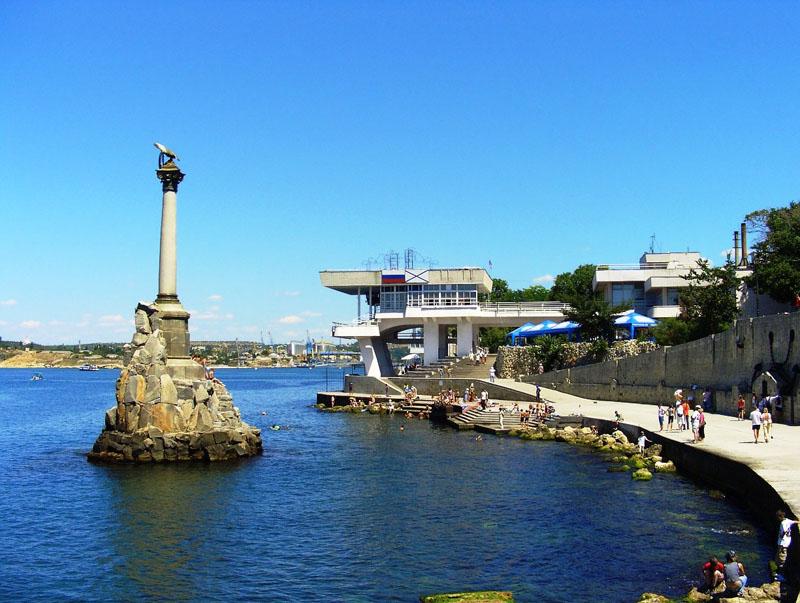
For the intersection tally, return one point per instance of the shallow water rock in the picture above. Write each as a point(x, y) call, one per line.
point(619, 437)
point(642, 475)
point(664, 467)
point(488, 596)
point(653, 598)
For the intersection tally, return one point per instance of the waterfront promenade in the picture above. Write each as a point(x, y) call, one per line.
point(777, 463)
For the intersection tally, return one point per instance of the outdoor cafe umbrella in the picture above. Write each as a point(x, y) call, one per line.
point(516, 332)
point(634, 320)
point(566, 327)
point(532, 330)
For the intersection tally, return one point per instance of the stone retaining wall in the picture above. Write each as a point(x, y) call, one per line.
point(736, 361)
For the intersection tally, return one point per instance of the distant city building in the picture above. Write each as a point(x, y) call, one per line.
point(296, 348)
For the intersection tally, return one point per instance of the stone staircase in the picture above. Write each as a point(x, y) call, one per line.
point(432, 370)
point(464, 369)
point(489, 418)
point(417, 406)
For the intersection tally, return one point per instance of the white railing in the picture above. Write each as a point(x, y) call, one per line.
point(650, 266)
point(524, 307)
point(357, 322)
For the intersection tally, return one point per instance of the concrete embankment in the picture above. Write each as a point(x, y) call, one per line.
point(762, 476)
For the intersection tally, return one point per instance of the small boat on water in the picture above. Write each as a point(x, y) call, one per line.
point(89, 367)
point(37, 377)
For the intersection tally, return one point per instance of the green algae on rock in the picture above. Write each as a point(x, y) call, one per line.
point(486, 596)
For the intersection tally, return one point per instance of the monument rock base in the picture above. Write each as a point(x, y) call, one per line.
point(164, 417)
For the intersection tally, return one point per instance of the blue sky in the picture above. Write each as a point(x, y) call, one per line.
point(537, 135)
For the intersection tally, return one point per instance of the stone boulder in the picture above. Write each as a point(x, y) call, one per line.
point(665, 467)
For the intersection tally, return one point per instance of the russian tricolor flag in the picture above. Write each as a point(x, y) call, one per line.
point(393, 278)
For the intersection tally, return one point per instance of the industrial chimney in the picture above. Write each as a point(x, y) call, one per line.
point(737, 253)
point(744, 244)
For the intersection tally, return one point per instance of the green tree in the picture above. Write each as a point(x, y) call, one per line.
point(672, 331)
point(776, 257)
point(492, 337)
point(709, 302)
point(595, 316)
point(534, 293)
point(569, 286)
point(550, 351)
point(501, 292)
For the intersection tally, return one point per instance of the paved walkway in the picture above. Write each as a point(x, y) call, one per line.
point(778, 462)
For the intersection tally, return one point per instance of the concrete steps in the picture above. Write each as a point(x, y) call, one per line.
point(464, 369)
point(485, 418)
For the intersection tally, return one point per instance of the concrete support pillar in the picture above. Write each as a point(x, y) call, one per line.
point(376, 357)
point(371, 366)
point(430, 341)
point(444, 350)
point(464, 337)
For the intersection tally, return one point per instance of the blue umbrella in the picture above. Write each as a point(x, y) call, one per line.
point(566, 327)
point(516, 332)
point(532, 330)
point(634, 320)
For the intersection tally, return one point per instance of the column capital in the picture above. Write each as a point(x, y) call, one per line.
point(170, 176)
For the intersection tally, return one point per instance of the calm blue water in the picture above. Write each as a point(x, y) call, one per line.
point(339, 508)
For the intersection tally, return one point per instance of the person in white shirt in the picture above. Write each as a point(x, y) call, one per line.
point(755, 420)
point(696, 424)
point(784, 538)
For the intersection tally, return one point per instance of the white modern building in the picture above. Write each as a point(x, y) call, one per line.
point(651, 287)
point(408, 305)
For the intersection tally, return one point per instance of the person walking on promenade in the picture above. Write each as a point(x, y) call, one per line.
point(696, 424)
point(661, 413)
point(755, 421)
point(686, 412)
point(670, 418)
point(679, 414)
point(702, 431)
point(735, 578)
point(766, 424)
point(740, 407)
point(500, 414)
point(707, 395)
point(492, 374)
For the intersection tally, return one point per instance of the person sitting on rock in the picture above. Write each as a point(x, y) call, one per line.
point(735, 578)
point(713, 575)
point(210, 376)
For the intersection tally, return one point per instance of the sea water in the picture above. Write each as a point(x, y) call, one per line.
point(340, 507)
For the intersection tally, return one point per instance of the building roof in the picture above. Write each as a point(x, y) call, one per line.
point(351, 281)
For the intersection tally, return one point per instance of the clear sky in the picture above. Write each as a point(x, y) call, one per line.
point(537, 135)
